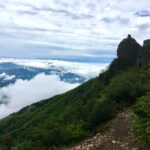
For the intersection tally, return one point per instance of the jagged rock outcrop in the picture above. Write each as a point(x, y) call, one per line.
point(128, 49)
point(147, 43)
point(144, 54)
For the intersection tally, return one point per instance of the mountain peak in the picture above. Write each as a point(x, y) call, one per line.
point(129, 36)
point(128, 49)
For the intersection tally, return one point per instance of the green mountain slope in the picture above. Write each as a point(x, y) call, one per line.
point(70, 117)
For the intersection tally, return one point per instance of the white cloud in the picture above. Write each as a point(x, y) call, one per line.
point(84, 24)
point(42, 86)
point(87, 70)
point(7, 77)
point(24, 93)
point(2, 75)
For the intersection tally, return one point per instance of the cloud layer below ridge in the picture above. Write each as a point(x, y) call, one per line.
point(24, 93)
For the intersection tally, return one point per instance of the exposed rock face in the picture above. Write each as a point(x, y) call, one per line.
point(128, 49)
point(147, 43)
point(131, 51)
point(144, 54)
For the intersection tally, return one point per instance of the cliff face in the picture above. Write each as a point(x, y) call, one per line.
point(144, 54)
point(128, 49)
point(147, 43)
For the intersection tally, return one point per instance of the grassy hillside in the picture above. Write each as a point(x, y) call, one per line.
point(70, 117)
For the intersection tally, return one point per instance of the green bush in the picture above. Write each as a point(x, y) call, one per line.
point(127, 86)
point(102, 110)
point(115, 67)
point(142, 121)
point(28, 145)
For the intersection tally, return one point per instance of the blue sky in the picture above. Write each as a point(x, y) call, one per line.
point(89, 28)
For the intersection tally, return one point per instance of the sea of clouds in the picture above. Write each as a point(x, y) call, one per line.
point(24, 93)
point(42, 86)
point(87, 70)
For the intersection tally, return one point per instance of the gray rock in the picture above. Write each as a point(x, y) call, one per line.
point(144, 54)
point(146, 43)
point(128, 49)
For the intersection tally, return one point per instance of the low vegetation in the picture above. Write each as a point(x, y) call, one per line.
point(142, 121)
point(71, 117)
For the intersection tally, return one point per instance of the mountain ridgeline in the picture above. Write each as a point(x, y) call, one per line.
point(66, 119)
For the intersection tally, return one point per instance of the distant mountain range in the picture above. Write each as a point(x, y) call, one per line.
point(14, 69)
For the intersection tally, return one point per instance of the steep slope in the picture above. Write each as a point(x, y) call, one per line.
point(116, 134)
point(68, 118)
point(62, 115)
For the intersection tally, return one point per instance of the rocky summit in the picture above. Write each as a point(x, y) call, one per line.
point(147, 43)
point(144, 54)
point(128, 49)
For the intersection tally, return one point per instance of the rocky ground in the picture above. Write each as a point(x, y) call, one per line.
point(117, 136)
